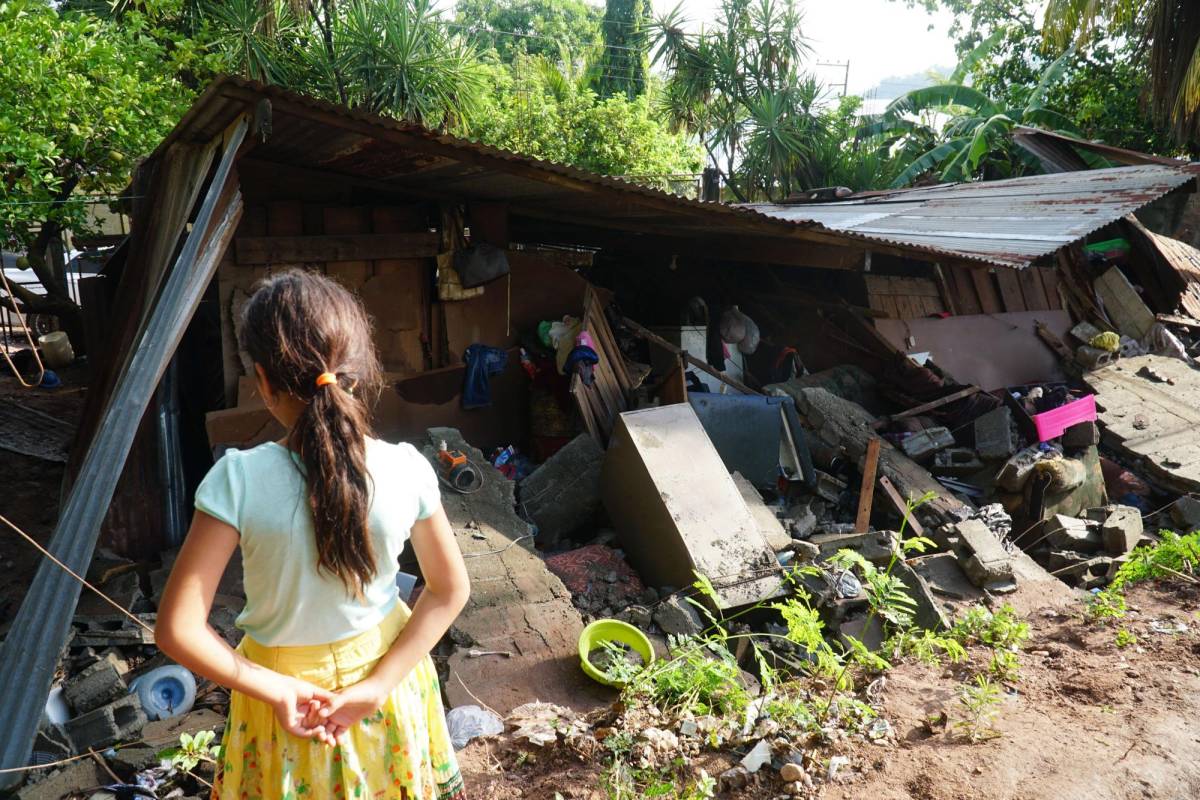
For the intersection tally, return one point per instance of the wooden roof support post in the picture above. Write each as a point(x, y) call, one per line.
point(866, 495)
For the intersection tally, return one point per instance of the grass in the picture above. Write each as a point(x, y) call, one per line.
point(1173, 556)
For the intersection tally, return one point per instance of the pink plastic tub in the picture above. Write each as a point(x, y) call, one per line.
point(1051, 424)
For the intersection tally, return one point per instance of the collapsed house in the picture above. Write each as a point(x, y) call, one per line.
point(758, 387)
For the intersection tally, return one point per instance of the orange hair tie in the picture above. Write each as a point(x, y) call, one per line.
point(326, 378)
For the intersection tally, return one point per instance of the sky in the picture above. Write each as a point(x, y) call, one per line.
point(880, 38)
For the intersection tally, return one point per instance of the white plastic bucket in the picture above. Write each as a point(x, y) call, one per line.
point(56, 349)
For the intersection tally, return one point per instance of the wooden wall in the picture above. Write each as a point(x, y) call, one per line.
point(984, 290)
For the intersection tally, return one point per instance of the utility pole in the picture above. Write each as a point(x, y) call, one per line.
point(845, 74)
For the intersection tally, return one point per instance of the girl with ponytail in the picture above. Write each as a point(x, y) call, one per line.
point(333, 691)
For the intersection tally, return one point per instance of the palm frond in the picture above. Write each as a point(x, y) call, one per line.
point(981, 51)
point(928, 160)
point(941, 97)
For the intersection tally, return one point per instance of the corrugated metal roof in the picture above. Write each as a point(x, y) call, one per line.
point(1005, 223)
point(1010, 222)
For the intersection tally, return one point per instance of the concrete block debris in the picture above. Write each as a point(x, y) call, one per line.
point(118, 721)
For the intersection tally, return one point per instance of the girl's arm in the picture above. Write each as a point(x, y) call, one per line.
point(446, 591)
point(183, 633)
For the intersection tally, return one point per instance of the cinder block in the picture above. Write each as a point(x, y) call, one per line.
point(994, 434)
point(119, 721)
point(95, 685)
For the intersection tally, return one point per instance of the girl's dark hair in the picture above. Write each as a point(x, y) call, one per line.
point(296, 326)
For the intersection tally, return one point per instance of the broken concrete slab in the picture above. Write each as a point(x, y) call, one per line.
point(768, 524)
point(929, 614)
point(678, 511)
point(1062, 559)
point(196, 720)
point(1084, 571)
point(874, 546)
point(924, 444)
point(125, 589)
point(65, 782)
point(1070, 533)
point(118, 721)
point(866, 628)
point(95, 685)
point(1185, 513)
point(956, 462)
point(995, 438)
point(1122, 530)
point(983, 557)
point(677, 617)
point(517, 605)
point(1150, 421)
point(563, 494)
point(1081, 435)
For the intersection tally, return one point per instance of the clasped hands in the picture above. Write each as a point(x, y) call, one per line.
point(311, 712)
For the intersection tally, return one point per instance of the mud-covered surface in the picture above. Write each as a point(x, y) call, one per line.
point(1087, 719)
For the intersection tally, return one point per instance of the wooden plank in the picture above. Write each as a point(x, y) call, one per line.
point(585, 411)
point(609, 342)
point(898, 503)
point(1174, 319)
point(966, 301)
point(985, 288)
point(695, 362)
point(1031, 289)
point(866, 495)
point(349, 247)
point(925, 407)
point(674, 387)
point(1010, 289)
point(1049, 277)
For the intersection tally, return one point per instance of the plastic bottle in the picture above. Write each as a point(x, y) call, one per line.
point(165, 692)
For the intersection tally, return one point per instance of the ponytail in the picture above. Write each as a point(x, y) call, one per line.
point(313, 340)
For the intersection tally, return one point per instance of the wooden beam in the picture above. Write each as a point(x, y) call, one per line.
point(930, 406)
point(866, 494)
point(691, 359)
point(898, 503)
point(347, 247)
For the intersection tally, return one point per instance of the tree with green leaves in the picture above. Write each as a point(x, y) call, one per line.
point(548, 109)
point(530, 27)
point(625, 30)
point(974, 141)
point(1171, 28)
point(81, 100)
point(739, 87)
point(1103, 88)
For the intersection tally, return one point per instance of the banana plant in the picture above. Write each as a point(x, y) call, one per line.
point(974, 137)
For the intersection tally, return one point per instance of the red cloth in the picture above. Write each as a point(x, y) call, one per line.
point(583, 567)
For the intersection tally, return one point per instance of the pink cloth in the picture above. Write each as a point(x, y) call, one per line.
point(584, 338)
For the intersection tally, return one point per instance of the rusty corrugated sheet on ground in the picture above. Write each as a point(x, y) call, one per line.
point(1008, 223)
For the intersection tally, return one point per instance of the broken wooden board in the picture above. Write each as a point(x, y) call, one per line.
point(1148, 411)
point(1124, 306)
point(677, 510)
point(517, 605)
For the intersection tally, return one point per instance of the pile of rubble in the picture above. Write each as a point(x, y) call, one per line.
point(119, 702)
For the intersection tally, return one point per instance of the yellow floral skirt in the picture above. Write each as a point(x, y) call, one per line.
point(402, 752)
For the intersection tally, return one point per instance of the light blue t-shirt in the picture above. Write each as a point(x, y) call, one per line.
point(261, 492)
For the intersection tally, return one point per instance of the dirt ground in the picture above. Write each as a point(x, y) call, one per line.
point(1088, 719)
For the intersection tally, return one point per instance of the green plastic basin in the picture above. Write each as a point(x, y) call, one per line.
point(611, 630)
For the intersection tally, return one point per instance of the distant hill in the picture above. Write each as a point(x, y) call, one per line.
point(894, 86)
